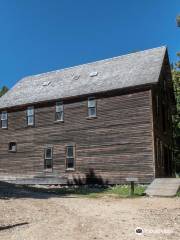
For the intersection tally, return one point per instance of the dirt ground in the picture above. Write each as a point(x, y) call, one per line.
point(49, 217)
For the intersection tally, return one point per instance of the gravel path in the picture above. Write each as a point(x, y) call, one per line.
point(46, 217)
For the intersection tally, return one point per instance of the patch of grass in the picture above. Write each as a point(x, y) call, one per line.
point(93, 192)
point(124, 190)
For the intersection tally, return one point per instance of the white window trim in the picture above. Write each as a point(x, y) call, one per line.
point(94, 106)
point(74, 156)
point(61, 105)
point(15, 146)
point(4, 119)
point(45, 153)
point(48, 158)
point(30, 115)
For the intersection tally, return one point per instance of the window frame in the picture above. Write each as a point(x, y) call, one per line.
point(4, 120)
point(92, 107)
point(10, 143)
point(30, 115)
point(61, 105)
point(67, 157)
point(48, 158)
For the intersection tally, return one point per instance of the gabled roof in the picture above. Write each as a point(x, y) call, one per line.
point(129, 70)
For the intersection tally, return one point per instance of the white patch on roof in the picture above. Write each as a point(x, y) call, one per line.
point(46, 83)
point(93, 74)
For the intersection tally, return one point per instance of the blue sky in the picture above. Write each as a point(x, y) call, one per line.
point(43, 35)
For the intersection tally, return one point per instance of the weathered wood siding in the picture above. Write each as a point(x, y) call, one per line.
point(115, 145)
point(163, 136)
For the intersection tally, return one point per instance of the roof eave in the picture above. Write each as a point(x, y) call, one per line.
point(121, 91)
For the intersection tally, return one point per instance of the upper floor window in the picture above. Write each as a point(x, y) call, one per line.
point(70, 157)
point(30, 116)
point(91, 107)
point(59, 111)
point(4, 119)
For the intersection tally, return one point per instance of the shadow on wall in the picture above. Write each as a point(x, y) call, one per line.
point(90, 179)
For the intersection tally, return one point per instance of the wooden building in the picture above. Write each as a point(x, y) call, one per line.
point(95, 123)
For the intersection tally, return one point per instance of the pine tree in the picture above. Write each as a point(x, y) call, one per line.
point(178, 21)
point(176, 118)
point(3, 90)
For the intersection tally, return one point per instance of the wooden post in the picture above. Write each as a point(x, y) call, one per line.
point(131, 180)
point(132, 188)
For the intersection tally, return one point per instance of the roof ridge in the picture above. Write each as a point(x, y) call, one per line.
point(89, 63)
point(133, 69)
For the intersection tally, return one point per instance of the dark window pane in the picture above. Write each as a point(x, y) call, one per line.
point(4, 123)
point(59, 107)
point(12, 146)
point(4, 116)
point(92, 112)
point(48, 153)
point(48, 163)
point(59, 116)
point(70, 162)
point(91, 102)
point(30, 120)
point(70, 151)
point(30, 111)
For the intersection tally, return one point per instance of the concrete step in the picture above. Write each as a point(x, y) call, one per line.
point(165, 187)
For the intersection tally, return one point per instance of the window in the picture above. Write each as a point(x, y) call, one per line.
point(70, 157)
point(48, 158)
point(12, 147)
point(91, 107)
point(30, 116)
point(59, 111)
point(4, 119)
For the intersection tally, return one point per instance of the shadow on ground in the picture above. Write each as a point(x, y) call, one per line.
point(92, 184)
point(2, 228)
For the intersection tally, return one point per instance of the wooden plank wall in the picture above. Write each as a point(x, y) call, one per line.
point(163, 91)
point(115, 145)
